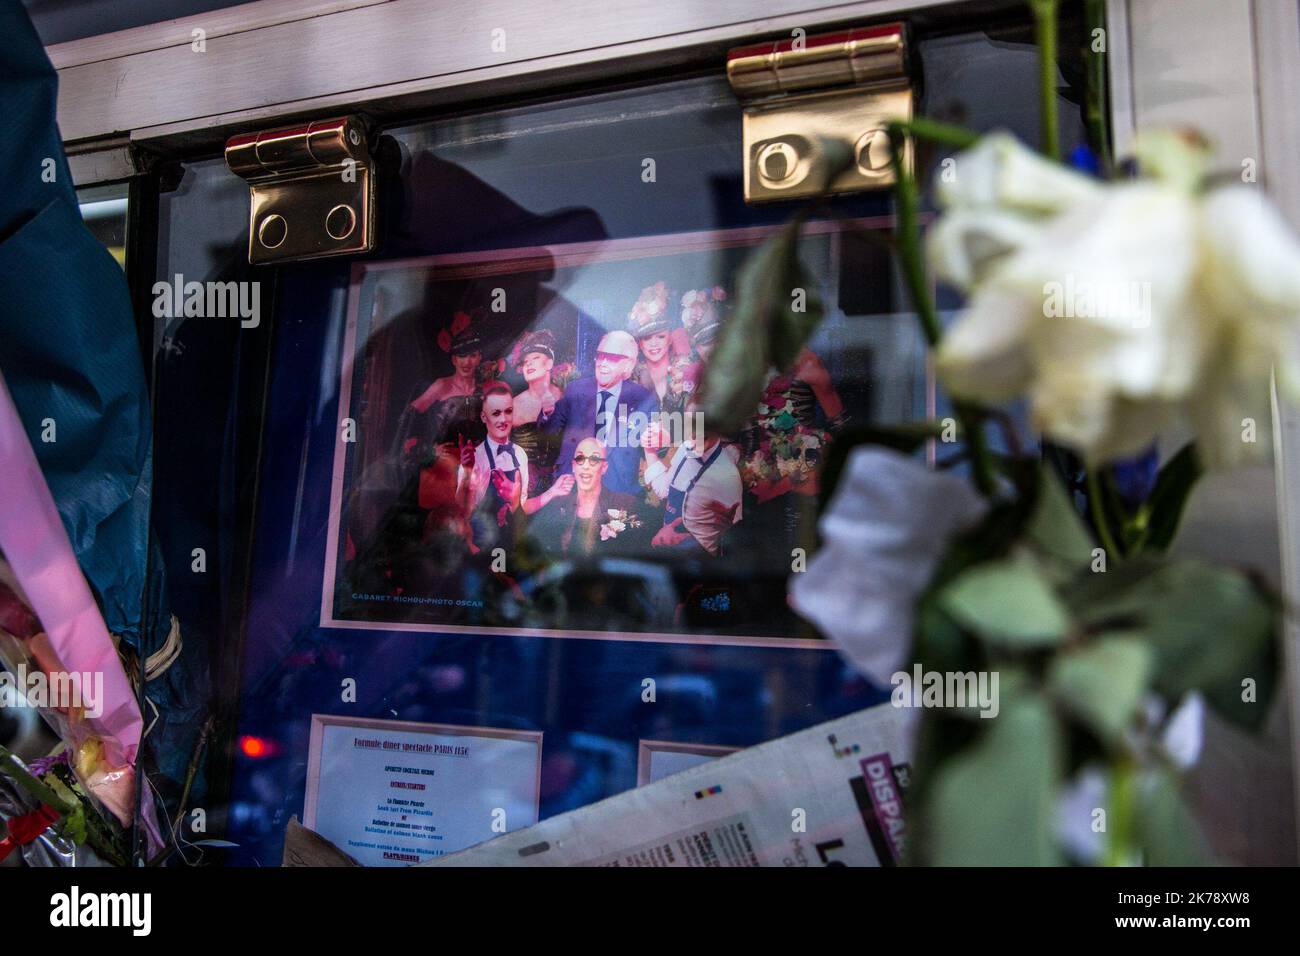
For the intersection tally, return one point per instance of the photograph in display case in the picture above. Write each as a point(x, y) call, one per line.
point(521, 447)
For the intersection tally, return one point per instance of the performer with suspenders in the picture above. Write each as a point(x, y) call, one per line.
point(701, 488)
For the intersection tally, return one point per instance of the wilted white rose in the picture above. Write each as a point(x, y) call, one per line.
point(888, 523)
point(1119, 309)
point(1002, 197)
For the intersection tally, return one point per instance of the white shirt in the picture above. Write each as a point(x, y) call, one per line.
point(483, 469)
point(611, 406)
point(714, 504)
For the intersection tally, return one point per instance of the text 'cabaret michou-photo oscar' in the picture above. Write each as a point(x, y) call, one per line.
point(527, 453)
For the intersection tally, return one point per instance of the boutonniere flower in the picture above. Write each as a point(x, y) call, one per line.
point(619, 521)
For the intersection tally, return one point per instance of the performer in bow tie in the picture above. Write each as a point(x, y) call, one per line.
point(493, 479)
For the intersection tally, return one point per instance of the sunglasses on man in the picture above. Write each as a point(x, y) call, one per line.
point(610, 357)
point(583, 459)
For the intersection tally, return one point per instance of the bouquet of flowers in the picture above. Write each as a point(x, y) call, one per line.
point(60, 659)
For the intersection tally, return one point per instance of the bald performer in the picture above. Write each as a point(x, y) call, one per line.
point(601, 406)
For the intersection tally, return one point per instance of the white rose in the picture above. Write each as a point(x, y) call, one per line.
point(999, 200)
point(1000, 172)
point(1129, 307)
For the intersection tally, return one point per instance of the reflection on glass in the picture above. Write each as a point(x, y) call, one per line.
point(431, 534)
point(104, 210)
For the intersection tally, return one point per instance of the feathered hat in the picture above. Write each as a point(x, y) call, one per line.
point(703, 311)
point(460, 338)
point(534, 340)
point(650, 313)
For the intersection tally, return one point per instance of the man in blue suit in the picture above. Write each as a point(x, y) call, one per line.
point(608, 407)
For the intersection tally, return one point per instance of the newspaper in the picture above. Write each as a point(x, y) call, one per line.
point(827, 796)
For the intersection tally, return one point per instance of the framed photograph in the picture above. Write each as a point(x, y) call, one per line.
point(657, 759)
point(521, 449)
point(395, 793)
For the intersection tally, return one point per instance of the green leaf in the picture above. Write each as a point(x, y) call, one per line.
point(994, 804)
point(74, 825)
point(765, 330)
point(1166, 830)
point(1260, 670)
point(777, 309)
point(939, 643)
point(1102, 683)
point(1055, 525)
point(1209, 627)
point(1008, 603)
point(1168, 499)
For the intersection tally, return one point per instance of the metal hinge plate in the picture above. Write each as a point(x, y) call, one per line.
point(313, 190)
point(846, 86)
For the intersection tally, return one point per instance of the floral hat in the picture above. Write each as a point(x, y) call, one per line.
point(540, 340)
point(702, 313)
point(460, 338)
point(650, 313)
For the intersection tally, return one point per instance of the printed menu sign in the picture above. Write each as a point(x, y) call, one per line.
point(391, 793)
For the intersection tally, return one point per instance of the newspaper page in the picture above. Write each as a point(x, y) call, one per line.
point(827, 796)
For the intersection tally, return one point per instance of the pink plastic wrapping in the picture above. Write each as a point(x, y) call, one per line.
point(43, 574)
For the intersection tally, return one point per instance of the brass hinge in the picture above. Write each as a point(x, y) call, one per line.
point(845, 85)
point(313, 190)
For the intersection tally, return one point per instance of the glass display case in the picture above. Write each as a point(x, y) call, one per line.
point(309, 446)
